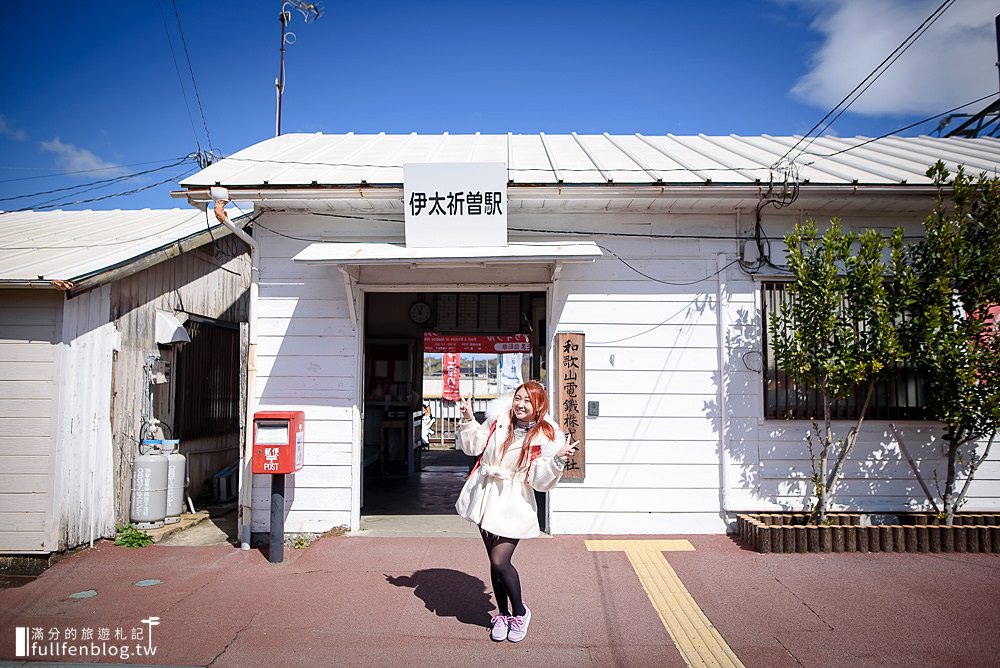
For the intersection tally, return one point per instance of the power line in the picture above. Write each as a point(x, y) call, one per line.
point(698, 237)
point(906, 43)
point(194, 83)
point(646, 331)
point(94, 183)
point(876, 78)
point(175, 177)
point(60, 172)
point(604, 248)
point(657, 280)
point(177, 69)
point(897, 130)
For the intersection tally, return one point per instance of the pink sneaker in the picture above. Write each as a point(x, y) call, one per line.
point(501, 624)
point(519, 626)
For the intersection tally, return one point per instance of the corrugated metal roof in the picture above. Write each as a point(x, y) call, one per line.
point(69, 245)
point(572, 159)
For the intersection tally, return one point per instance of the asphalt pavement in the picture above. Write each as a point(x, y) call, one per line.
point(644, 601)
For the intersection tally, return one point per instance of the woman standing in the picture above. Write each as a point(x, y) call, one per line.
point(520, 451)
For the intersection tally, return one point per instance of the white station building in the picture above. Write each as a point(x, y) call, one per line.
point(648, 246)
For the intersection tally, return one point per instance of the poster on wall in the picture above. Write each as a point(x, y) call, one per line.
point(444, 343)
point(570, 397)
point(510, 372)
point(451, 364)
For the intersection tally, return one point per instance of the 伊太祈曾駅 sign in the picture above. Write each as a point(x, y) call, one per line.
point(455, 204)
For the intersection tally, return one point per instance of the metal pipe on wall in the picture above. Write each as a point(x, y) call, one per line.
point(221, 196)
point(722, 329)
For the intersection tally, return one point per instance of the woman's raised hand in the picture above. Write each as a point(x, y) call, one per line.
point(569, 449)
point(465, 407)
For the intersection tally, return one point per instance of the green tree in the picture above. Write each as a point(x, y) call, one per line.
point(950, 283)
point(835, 333)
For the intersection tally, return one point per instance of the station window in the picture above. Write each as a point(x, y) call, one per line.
point(899, 395)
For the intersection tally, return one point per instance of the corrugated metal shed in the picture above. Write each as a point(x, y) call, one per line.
point(71, 245)
point(321, 160)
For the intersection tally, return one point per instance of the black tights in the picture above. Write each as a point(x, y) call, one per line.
point(506, 582)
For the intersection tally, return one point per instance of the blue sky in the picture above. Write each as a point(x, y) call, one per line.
point(91, 93)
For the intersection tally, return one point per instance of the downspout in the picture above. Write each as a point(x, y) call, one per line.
point(722, 328)
point(221, 196)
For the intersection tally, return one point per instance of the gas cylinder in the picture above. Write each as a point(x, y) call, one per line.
point(149, 486)
point(176, 481)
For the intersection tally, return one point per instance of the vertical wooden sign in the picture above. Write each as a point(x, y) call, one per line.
point(569, 399)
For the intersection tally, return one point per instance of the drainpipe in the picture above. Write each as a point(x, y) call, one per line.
point(722, 328)
point(221, 196)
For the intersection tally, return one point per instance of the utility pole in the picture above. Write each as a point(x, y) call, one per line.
point(310, 11)
point(986, 123)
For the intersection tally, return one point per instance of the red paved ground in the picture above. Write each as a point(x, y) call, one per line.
point(393, 601)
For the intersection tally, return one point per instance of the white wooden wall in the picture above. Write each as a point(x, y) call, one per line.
point(30, 331)
point(652, 363)
point(655, 453)
point(306, 356)
point(84, 498)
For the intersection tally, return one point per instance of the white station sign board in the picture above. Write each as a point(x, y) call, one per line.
point(455, 204)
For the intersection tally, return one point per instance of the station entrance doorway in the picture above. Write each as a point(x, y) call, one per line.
point(419, 349)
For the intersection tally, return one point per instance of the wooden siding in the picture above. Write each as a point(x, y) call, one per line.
point(655, 453)
point(306, 361)
point(652, 363)
point(212, 282)
point(30, 324)
point(83, 504)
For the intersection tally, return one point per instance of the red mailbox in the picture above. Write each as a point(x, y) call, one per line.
point(278, 444)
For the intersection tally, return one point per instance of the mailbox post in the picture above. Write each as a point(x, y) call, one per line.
point(278, 449)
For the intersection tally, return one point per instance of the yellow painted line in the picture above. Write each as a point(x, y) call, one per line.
point(699, 643)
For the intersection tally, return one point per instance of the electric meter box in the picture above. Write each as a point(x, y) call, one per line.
point(278, 441)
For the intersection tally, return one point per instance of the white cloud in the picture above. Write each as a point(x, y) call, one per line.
point(11, 133)
point(74, 159)
point(953, 62)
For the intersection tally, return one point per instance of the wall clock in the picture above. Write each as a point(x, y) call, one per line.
point(420, 312)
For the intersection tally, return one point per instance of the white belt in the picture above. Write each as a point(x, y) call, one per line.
point(500, 474)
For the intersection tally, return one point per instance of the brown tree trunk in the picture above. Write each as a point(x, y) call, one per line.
point(849, 441)
point(948, 498)
point(822, 493)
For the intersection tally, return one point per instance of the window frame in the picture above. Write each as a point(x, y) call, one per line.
point(207, 407)
point(784, 399)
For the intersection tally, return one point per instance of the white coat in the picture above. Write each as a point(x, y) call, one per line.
point(497, 496)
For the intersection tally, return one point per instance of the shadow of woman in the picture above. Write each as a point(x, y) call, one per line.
point(449, 593)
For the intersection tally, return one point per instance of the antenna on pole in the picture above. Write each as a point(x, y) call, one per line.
point(986, 123)
point(310, 11)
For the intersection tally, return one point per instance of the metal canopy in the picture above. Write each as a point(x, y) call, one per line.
point(384, 253)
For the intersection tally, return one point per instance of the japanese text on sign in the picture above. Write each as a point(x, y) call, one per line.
point(270, 459)
point(570, 396)
point(455, 204)
point(457, 343)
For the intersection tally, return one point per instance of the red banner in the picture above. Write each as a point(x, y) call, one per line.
point(451, 363)
point(444, 343)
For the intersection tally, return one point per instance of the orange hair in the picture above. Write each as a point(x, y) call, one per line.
point(540, 403)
